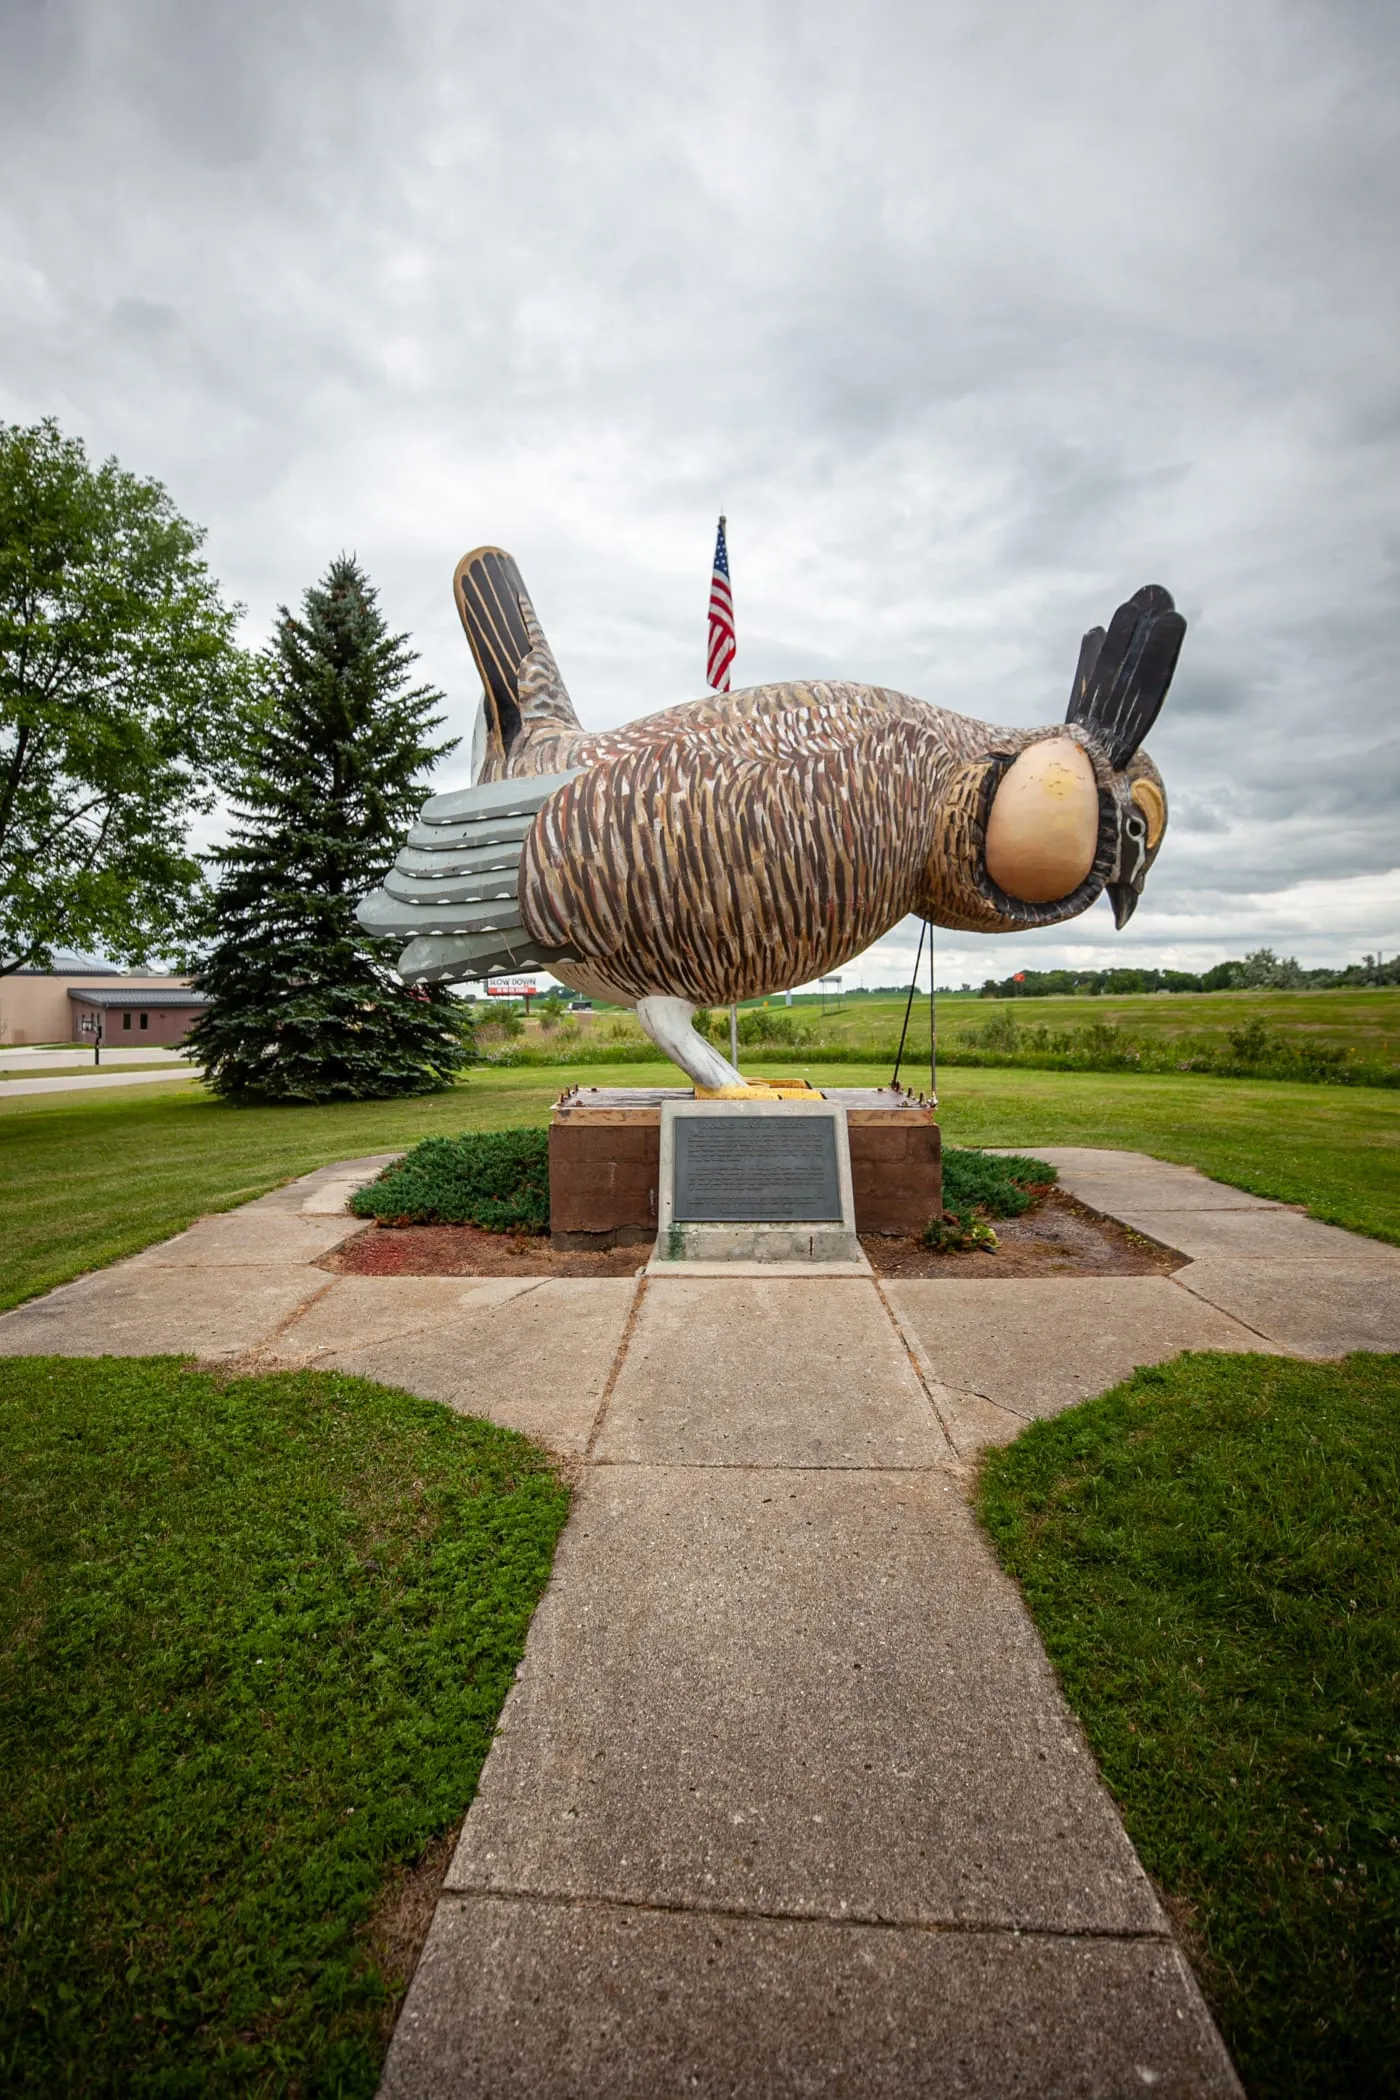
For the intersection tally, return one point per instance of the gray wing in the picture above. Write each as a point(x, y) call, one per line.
point(454, 892)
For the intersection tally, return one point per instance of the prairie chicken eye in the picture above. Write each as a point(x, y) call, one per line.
point(1151, 801)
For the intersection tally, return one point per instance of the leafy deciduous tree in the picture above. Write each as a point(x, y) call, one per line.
point(121, 685)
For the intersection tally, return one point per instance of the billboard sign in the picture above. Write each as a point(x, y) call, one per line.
point(511, 987)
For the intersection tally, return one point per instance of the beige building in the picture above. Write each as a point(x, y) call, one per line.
point(35, 1006)
point(127, 1016)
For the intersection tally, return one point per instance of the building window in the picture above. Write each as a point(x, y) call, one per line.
point(126, 1020)
point(144, 1019)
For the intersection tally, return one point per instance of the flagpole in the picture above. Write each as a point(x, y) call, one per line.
point(733, 1011)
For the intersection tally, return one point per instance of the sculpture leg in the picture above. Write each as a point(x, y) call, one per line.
point(667, 1022)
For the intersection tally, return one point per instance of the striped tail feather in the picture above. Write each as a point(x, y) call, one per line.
point(519, 676)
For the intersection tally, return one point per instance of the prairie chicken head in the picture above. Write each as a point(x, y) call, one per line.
point(1030, 832)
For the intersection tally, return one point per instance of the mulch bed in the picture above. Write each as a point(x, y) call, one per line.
point(1056, 1237)
point(465, 1250)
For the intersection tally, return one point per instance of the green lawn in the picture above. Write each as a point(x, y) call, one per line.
point(254, 1637)
point(85, 1180)
point(1212, 1555)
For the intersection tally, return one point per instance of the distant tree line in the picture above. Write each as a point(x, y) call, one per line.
point(1261, 970)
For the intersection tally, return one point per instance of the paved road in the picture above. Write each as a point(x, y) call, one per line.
point(93, 1081)
point(23, 1057)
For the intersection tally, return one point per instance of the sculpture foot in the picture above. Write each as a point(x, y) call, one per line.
point(761, 1090)
point(750, 1090)
point(666, 1022)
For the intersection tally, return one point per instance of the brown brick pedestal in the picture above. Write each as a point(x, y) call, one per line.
point(605, 1153)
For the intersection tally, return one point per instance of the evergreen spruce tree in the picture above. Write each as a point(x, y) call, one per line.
point(303, 1005)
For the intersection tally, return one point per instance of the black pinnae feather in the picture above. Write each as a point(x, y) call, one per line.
point(1123, 676)
point(1153, 598)
point(1084, 670)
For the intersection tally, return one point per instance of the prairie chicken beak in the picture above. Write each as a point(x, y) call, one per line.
point(1123, 896)
point(1134, 857)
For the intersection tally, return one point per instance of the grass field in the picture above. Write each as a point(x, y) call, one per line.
point(1212, 1555)
point(1367, 1022)
point(87, 1179)
point(1311, 1038)
point(254, 1638)
point(1364, 1021)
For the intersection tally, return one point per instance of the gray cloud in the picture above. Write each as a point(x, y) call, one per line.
point(973, 320)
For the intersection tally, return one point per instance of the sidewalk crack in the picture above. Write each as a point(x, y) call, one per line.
point(414, 1326)
point(253, 1357)
point(563, 1899)
point(629, 1328)
point(1276, 1347)
point(930, 1384)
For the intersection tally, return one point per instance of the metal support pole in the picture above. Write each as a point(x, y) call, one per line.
point(909, 1004)
point(734, 1037)
point(932, 1025)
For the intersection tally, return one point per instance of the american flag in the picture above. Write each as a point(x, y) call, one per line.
point(721, 618)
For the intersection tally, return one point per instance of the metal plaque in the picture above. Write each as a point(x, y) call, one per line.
point(762, 1170)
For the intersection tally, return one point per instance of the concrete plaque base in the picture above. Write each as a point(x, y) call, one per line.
point(605, 1162)
point(747, 1164)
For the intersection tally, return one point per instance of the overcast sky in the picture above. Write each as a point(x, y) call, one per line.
point(972, 317)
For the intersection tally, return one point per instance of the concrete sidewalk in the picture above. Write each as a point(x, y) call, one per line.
point(785, 1799)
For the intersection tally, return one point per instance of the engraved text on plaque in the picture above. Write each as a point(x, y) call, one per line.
point(770, 1170)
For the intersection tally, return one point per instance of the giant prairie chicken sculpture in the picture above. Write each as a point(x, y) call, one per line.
point(749, 841)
